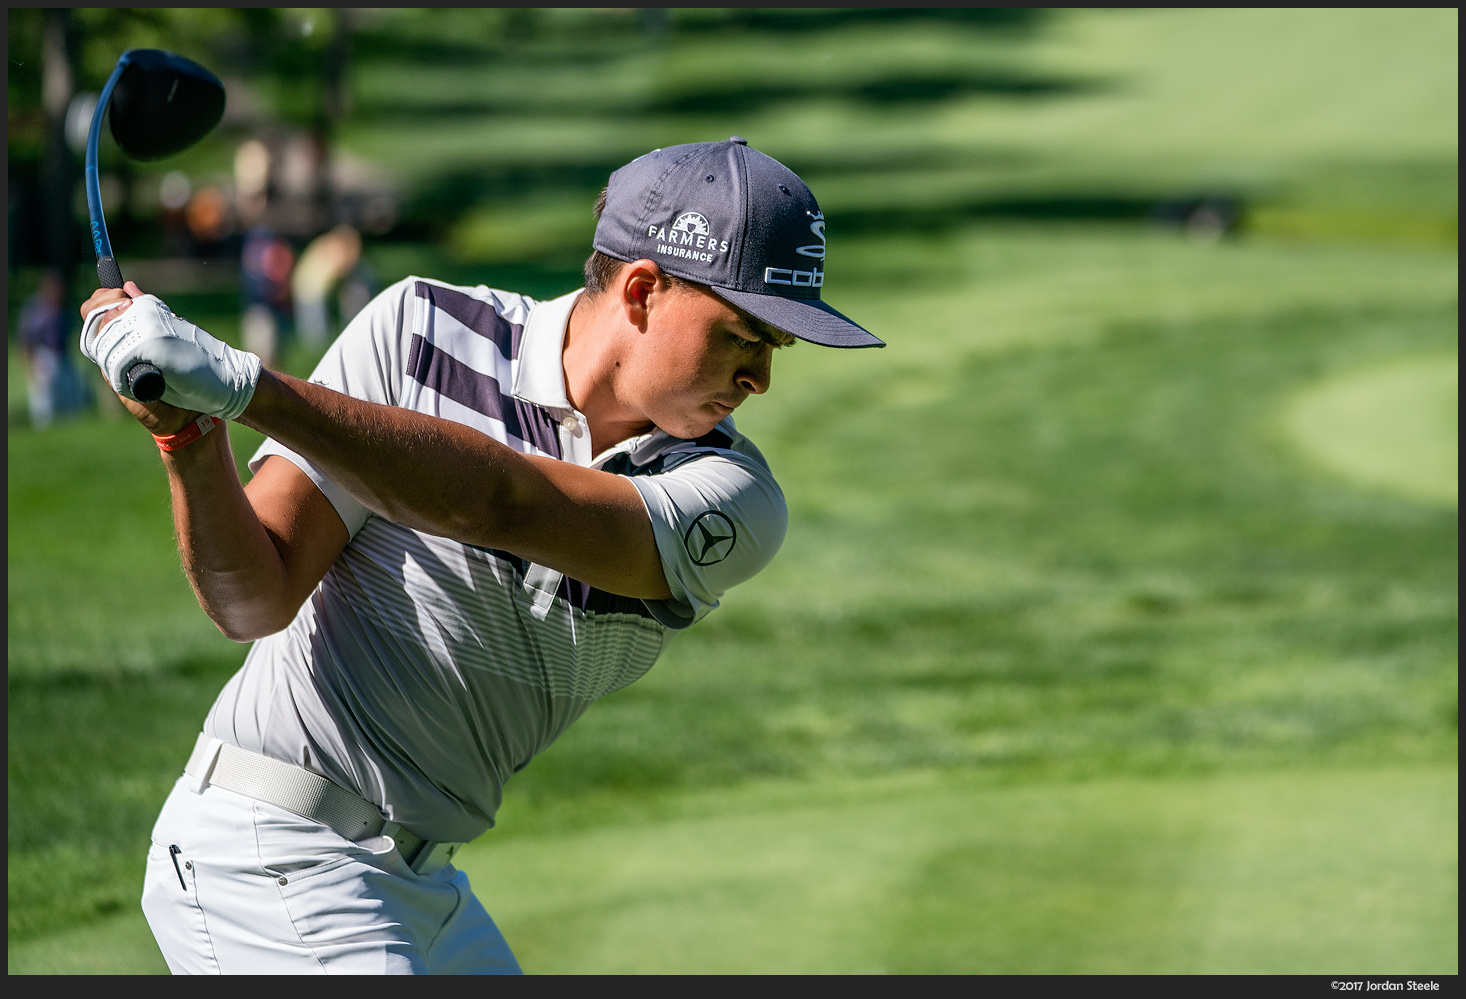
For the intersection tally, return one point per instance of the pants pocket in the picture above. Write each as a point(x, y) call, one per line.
point(170, 903)
point(296, 847)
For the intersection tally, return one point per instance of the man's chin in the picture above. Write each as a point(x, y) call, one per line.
point(690, 429)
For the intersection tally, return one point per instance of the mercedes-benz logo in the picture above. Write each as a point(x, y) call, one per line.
point(711, 538)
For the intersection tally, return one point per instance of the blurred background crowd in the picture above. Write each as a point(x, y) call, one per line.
point(274, 207)
point(1116, 626)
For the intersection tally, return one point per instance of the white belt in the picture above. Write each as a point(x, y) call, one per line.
point(309, 794)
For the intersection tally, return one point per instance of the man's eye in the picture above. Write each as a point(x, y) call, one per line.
point(743, 341)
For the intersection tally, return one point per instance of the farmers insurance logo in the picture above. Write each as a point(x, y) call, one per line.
point(711, 538)
point(690, 238)
point(803, 279)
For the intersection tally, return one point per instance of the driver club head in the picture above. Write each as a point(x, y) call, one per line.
point(163, 103)
point(158, 104)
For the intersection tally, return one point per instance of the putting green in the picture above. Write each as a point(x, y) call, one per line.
point(1391, 426)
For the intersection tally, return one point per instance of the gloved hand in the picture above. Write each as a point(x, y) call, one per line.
point(204, 374)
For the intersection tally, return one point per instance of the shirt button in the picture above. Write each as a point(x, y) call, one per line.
point(571, 424)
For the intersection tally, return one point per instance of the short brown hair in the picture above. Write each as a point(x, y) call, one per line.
point(601, 270)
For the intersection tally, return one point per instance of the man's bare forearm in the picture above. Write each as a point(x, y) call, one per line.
point(446, 479)
point(230, 559)
point(427, 473)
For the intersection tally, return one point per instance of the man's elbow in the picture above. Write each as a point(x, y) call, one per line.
point(239, 632)
point(258, 622)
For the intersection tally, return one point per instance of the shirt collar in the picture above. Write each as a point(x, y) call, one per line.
point(539, 372)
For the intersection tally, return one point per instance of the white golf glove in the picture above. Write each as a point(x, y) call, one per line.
point(203, 373)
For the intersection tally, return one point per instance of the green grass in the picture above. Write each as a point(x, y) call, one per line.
point(1343, 130)
point(1391, 426)
point(1327, 871)
point(1090, 648)
point(1295, 872)
point(1106, 557)
point(90, 563)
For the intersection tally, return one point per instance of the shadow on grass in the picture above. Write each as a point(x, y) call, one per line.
point(905, 89)
point(525, 36)
point(429, 218)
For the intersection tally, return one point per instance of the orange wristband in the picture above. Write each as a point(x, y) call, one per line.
point(188, 434)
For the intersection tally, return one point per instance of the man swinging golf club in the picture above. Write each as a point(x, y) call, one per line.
point(481, 514)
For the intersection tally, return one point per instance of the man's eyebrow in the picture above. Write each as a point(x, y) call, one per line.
point(765, 332)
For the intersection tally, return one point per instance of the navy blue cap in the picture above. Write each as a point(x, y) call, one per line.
point(723, 214)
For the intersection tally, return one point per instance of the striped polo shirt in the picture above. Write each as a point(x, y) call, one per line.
point(423, 672)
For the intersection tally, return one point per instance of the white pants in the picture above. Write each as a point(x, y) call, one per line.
point(237, 886)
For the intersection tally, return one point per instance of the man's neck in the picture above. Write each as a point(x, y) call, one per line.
point(592, 357)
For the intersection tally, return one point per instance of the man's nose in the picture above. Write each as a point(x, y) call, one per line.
point(753, 377)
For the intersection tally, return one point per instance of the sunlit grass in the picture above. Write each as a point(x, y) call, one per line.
point(1321, 872)
point(1392, 426)
point(1314, 871)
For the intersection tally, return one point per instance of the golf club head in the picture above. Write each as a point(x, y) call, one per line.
point(163, 103)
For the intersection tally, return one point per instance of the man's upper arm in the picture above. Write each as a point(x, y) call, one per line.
point(306, 529)
point(719, 518)
point(678, 539)
point(590, 525)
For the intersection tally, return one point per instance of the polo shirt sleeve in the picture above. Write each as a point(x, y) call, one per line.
point(718, 518)
point(366, 362)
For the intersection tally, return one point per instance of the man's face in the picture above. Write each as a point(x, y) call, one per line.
point(697, 360)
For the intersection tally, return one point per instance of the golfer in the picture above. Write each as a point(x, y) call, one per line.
point(481, 514)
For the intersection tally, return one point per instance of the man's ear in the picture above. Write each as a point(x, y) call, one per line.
point(638, 281)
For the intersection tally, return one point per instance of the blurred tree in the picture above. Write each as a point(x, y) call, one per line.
point(59, 233)
point(334, 103)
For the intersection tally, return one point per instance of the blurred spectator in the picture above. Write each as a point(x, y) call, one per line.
point(300, 167)
point(79, 121)
point(300, 188)
point(357, 289)
point(1204, 220)
point(173, 194)
point(251, 181)
point(266, 263)
point(174, 189)
point(52, 386)
point(328, 259)
point(207, 216)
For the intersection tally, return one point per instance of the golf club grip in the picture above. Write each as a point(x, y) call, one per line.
point(108, 273)
point(144, 380)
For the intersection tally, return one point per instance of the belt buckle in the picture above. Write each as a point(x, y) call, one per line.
point(423, 856)
point(201, 763)
point(433, 856)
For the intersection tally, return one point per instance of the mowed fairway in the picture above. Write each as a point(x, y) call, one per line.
point(1090, 649)
point(1285, 873)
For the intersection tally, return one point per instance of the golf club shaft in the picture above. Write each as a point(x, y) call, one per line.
point(144, 380)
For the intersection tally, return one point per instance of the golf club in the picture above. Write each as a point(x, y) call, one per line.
point(161, 104)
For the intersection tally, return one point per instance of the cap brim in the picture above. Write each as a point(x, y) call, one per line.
point(807, 318)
